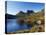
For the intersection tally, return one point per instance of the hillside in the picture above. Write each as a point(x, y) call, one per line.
point(9, 16)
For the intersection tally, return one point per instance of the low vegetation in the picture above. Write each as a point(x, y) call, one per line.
point(31, 18)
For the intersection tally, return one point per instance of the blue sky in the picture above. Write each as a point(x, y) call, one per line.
point(13, 7)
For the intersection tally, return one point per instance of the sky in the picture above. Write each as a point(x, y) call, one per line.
point(14, 7)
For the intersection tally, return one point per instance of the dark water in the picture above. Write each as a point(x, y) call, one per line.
point(13, 26)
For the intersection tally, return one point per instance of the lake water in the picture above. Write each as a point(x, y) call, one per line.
point(13, 26)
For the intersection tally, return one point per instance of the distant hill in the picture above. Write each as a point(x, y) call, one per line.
point(29, 13)
point(38, 15)
point(9, 16)
point(23, 14)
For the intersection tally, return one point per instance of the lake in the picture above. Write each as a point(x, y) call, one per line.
point(13, 26)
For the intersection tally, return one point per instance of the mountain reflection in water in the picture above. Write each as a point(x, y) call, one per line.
point(13, 26)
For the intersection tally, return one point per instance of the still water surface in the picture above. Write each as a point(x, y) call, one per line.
point(13, 26)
